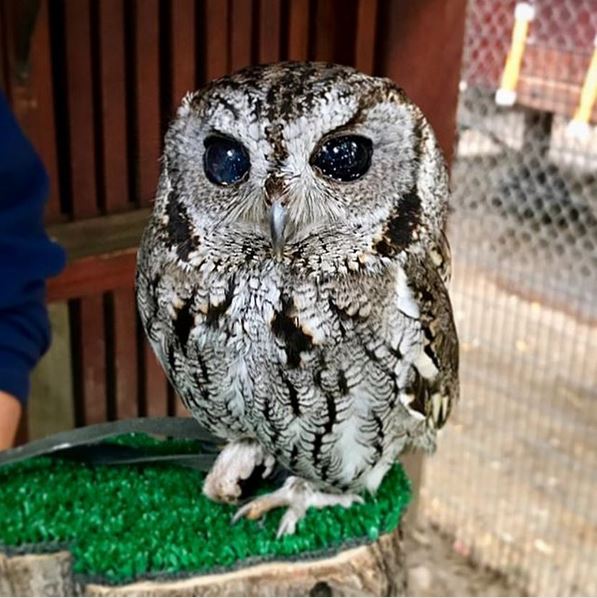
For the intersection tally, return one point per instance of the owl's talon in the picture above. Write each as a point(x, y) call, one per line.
point(268, 465)
point(288, 523)
point(235, 463)
point(298, 495)
point(259, 506)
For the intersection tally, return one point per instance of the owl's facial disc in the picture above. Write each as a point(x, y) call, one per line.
point(341, 158)
point(299, 156)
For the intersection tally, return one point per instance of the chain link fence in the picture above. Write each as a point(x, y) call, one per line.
point(515, 478)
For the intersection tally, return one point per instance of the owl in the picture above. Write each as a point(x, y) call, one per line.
point(291, 280)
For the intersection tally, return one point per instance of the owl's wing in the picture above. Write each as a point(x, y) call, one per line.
point(441, 257)
point(436, 389)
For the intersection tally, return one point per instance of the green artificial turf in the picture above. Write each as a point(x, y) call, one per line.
point(124, 522)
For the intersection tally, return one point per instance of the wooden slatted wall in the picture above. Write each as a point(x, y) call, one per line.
point(101, 81)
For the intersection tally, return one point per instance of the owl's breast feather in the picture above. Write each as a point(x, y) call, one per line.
point(314, 371)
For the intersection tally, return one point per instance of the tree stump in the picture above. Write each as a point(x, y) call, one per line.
point(375, 569)
point(71, 528)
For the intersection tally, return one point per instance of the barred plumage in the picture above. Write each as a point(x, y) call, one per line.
point(296, 310)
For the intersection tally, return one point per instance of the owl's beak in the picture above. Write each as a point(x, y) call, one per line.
point(277, 223)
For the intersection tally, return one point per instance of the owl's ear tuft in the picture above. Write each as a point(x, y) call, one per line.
point(187, 104)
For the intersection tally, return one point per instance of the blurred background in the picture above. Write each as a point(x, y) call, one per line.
point(515, 479)
point(507, 505)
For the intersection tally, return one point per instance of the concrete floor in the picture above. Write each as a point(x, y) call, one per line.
point(515, 476)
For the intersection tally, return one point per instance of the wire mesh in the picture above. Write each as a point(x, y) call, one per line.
point(515, 477)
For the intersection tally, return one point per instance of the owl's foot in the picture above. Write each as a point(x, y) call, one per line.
point(235, 465)
point(298, 495)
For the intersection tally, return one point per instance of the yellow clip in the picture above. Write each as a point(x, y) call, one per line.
point(523, 15)
point(579, 125)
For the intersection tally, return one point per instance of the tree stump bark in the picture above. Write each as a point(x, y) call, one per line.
point(375, 569)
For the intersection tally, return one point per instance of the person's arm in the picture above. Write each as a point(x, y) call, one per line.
point(27, 258)
point(10, 414)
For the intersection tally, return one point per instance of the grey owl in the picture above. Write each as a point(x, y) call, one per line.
point(292, 280)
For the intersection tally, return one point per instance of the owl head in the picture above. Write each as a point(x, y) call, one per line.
point(295, 158)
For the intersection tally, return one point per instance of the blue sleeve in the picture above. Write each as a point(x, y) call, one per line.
point(27, 257)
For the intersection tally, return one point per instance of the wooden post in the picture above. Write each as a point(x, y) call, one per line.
point(376, 569)
point(421, 51)
point(28, 82)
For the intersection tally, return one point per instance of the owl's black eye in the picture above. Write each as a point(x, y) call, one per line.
point(344, 158)
point(225, 160)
